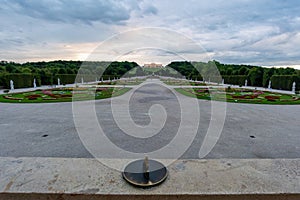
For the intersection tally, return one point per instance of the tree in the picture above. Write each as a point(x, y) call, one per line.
point(256, 76)
point(243, 71)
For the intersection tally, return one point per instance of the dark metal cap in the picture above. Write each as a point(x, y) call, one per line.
point(145, 173)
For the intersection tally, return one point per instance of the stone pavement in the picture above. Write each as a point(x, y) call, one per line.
point(250, 131)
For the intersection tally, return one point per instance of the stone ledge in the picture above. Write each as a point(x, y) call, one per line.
point(76, 178)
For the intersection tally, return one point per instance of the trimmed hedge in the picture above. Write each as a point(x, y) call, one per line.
point(46, 79)
point(285, 82)
point(72, 78)
point(235, 79)
point(64, 79)
point(26, 80)
point(2, 80)
point(196, 77)
point(20, 80)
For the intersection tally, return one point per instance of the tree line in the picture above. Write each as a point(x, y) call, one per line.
point(47, 73)
point(281, 78)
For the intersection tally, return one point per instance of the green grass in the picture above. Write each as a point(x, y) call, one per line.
point(234, 96)
point(82, 94)
point(130, 82)
point(151, 70)
point(182, 82)
point(132, 71)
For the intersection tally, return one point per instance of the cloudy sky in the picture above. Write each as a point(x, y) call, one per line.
point(263, 32)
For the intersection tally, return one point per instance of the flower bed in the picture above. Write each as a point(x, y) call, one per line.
point(101, 89)
point(12, 98)
point(49, 98)
point(272, 98)
point(32, 96)
point(247, 96)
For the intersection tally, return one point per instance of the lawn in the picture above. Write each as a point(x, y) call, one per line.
point(182, 82)
point(240, 96)
point(151, 70)
point(62, 95)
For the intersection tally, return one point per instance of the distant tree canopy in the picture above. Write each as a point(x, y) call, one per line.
point(237, 74)
point(47, 73)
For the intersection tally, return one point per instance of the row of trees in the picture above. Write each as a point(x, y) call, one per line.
point(282, 78)
point(47, 73)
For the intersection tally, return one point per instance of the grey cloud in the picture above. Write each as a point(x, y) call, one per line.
point(87, 11)
point(235, 31)
point(150, 10)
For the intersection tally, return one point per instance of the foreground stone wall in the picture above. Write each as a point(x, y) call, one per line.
point(59, 178)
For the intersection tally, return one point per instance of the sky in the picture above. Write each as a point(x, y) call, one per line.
point(258, 32)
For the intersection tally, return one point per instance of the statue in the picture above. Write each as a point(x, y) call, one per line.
point(222, 81)
point(81, 80)
point(34, 83)
point(12, 87)
point(270, 84)
point(294, 87)
point(58, 81)
point(246, 83)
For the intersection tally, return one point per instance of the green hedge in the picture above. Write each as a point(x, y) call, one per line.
point(285, 82)
point(64, 79)
point(72, 78)
point(195, 77)
point(26, 80)
point(20, 80)
point(46, 79)
point(2, 80)
point(235, 79)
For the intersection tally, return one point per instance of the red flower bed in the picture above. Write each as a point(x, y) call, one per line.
point(101, 89)
point(65, 95)
point(246, 96)
point(272, 98)
point(33, 96)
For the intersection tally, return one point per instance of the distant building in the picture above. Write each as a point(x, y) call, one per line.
point(153, 65)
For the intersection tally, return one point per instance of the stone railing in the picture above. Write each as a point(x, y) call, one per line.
point(71, 178)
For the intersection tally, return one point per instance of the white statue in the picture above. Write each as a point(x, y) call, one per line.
point(222, 81)
point(58, 81)
point(246, 83)
point(294, 87)
point(12, 87)
point(270, 84)
point(101, 79)
point(34, 83)
point(81, 80)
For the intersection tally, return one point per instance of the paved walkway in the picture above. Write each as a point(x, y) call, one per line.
point(250, 131)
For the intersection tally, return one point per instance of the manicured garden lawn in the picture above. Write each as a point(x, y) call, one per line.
point(182, 82)
point(240, 96)
point(151, 70)
point(130, 82)
point(62, 95)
